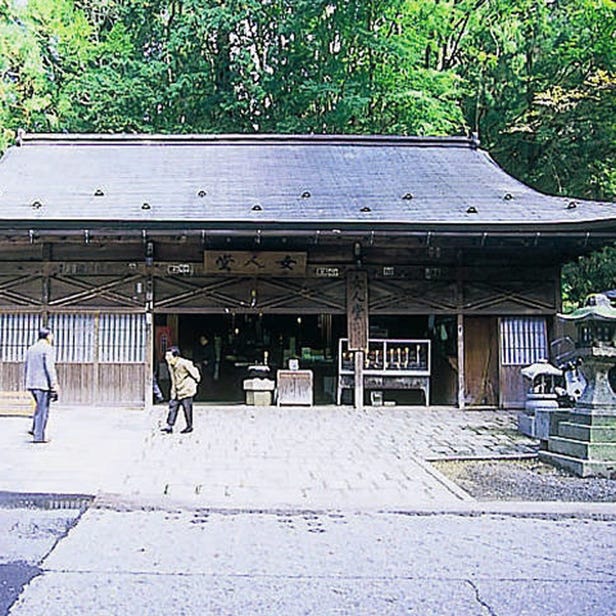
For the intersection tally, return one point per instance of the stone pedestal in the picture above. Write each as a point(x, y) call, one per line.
point(541, 416)
point(585, 441)
point(584, 444)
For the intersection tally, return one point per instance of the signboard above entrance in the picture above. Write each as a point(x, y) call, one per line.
point(249, 263)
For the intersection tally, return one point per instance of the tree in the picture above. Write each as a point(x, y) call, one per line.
point(536, 78)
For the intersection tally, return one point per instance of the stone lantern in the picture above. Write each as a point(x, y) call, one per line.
point(585, 441)
point(542, 409)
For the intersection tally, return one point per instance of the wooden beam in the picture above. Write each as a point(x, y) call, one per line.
point(89, 292)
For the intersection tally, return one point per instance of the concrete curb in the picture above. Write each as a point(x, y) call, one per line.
point(453, 487)
point(469, 508)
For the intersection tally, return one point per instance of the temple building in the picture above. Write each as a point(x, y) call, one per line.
point(419, 256)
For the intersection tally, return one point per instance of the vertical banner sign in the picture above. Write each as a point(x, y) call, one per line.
point(357, 310)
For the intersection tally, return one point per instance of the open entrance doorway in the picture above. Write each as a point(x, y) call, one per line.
point(237, 341)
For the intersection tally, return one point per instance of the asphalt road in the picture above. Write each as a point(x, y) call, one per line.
point(27, 537)
point(180, 561)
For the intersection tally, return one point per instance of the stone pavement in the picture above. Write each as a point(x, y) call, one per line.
point(197, 562)
point(257, 457)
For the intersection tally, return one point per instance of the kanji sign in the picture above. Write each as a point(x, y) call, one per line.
point(260, 263)
point(357, 310)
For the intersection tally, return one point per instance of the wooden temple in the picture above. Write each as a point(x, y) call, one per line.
point(416, 263)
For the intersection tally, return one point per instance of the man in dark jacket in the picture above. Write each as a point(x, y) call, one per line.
point(41, 380)
point(204, 357)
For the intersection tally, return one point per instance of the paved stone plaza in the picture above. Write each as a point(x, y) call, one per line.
point(258, 457)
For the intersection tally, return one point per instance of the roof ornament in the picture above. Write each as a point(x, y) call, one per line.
point(21, 133)
point(475, 141)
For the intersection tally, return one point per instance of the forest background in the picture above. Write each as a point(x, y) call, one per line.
point(535, 79)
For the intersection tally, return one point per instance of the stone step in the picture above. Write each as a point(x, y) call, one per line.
point(593, 434)
point(581, 468)
point(596, 420)
point(582, 449)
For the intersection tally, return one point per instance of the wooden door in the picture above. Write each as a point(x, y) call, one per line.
point(481, 361)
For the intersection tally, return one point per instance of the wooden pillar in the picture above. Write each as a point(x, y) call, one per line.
point(460, 330)
point(149, 342)
point(47, 256)
point(96, 359)
point(359, 380)
point(357, 327)
point(461, 376)
point(149, 360)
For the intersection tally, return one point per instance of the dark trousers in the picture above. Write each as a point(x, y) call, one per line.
point(187, 406)
point(41, 414)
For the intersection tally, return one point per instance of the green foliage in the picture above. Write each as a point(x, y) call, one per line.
point(591, 274)
point(544, 93)
point(535, 78)
point(235, 66)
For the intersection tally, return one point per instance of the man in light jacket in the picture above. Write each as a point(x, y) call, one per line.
point(184, 380)
point(41, 380)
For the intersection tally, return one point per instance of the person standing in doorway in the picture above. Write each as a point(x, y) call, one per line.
point(204, 357)
point(41, 380)
point(184, 377)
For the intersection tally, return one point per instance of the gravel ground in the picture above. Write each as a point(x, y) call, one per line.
point(526, 480)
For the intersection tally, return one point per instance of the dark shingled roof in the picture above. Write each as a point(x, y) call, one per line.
point(284, 181)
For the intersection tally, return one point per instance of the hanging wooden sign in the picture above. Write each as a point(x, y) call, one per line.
point(357, 310)
point(260, 263)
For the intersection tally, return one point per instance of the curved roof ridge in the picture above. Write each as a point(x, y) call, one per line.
point(243, 138)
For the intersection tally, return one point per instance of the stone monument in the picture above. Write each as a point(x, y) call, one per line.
point(542, 409)
point(585, 441)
